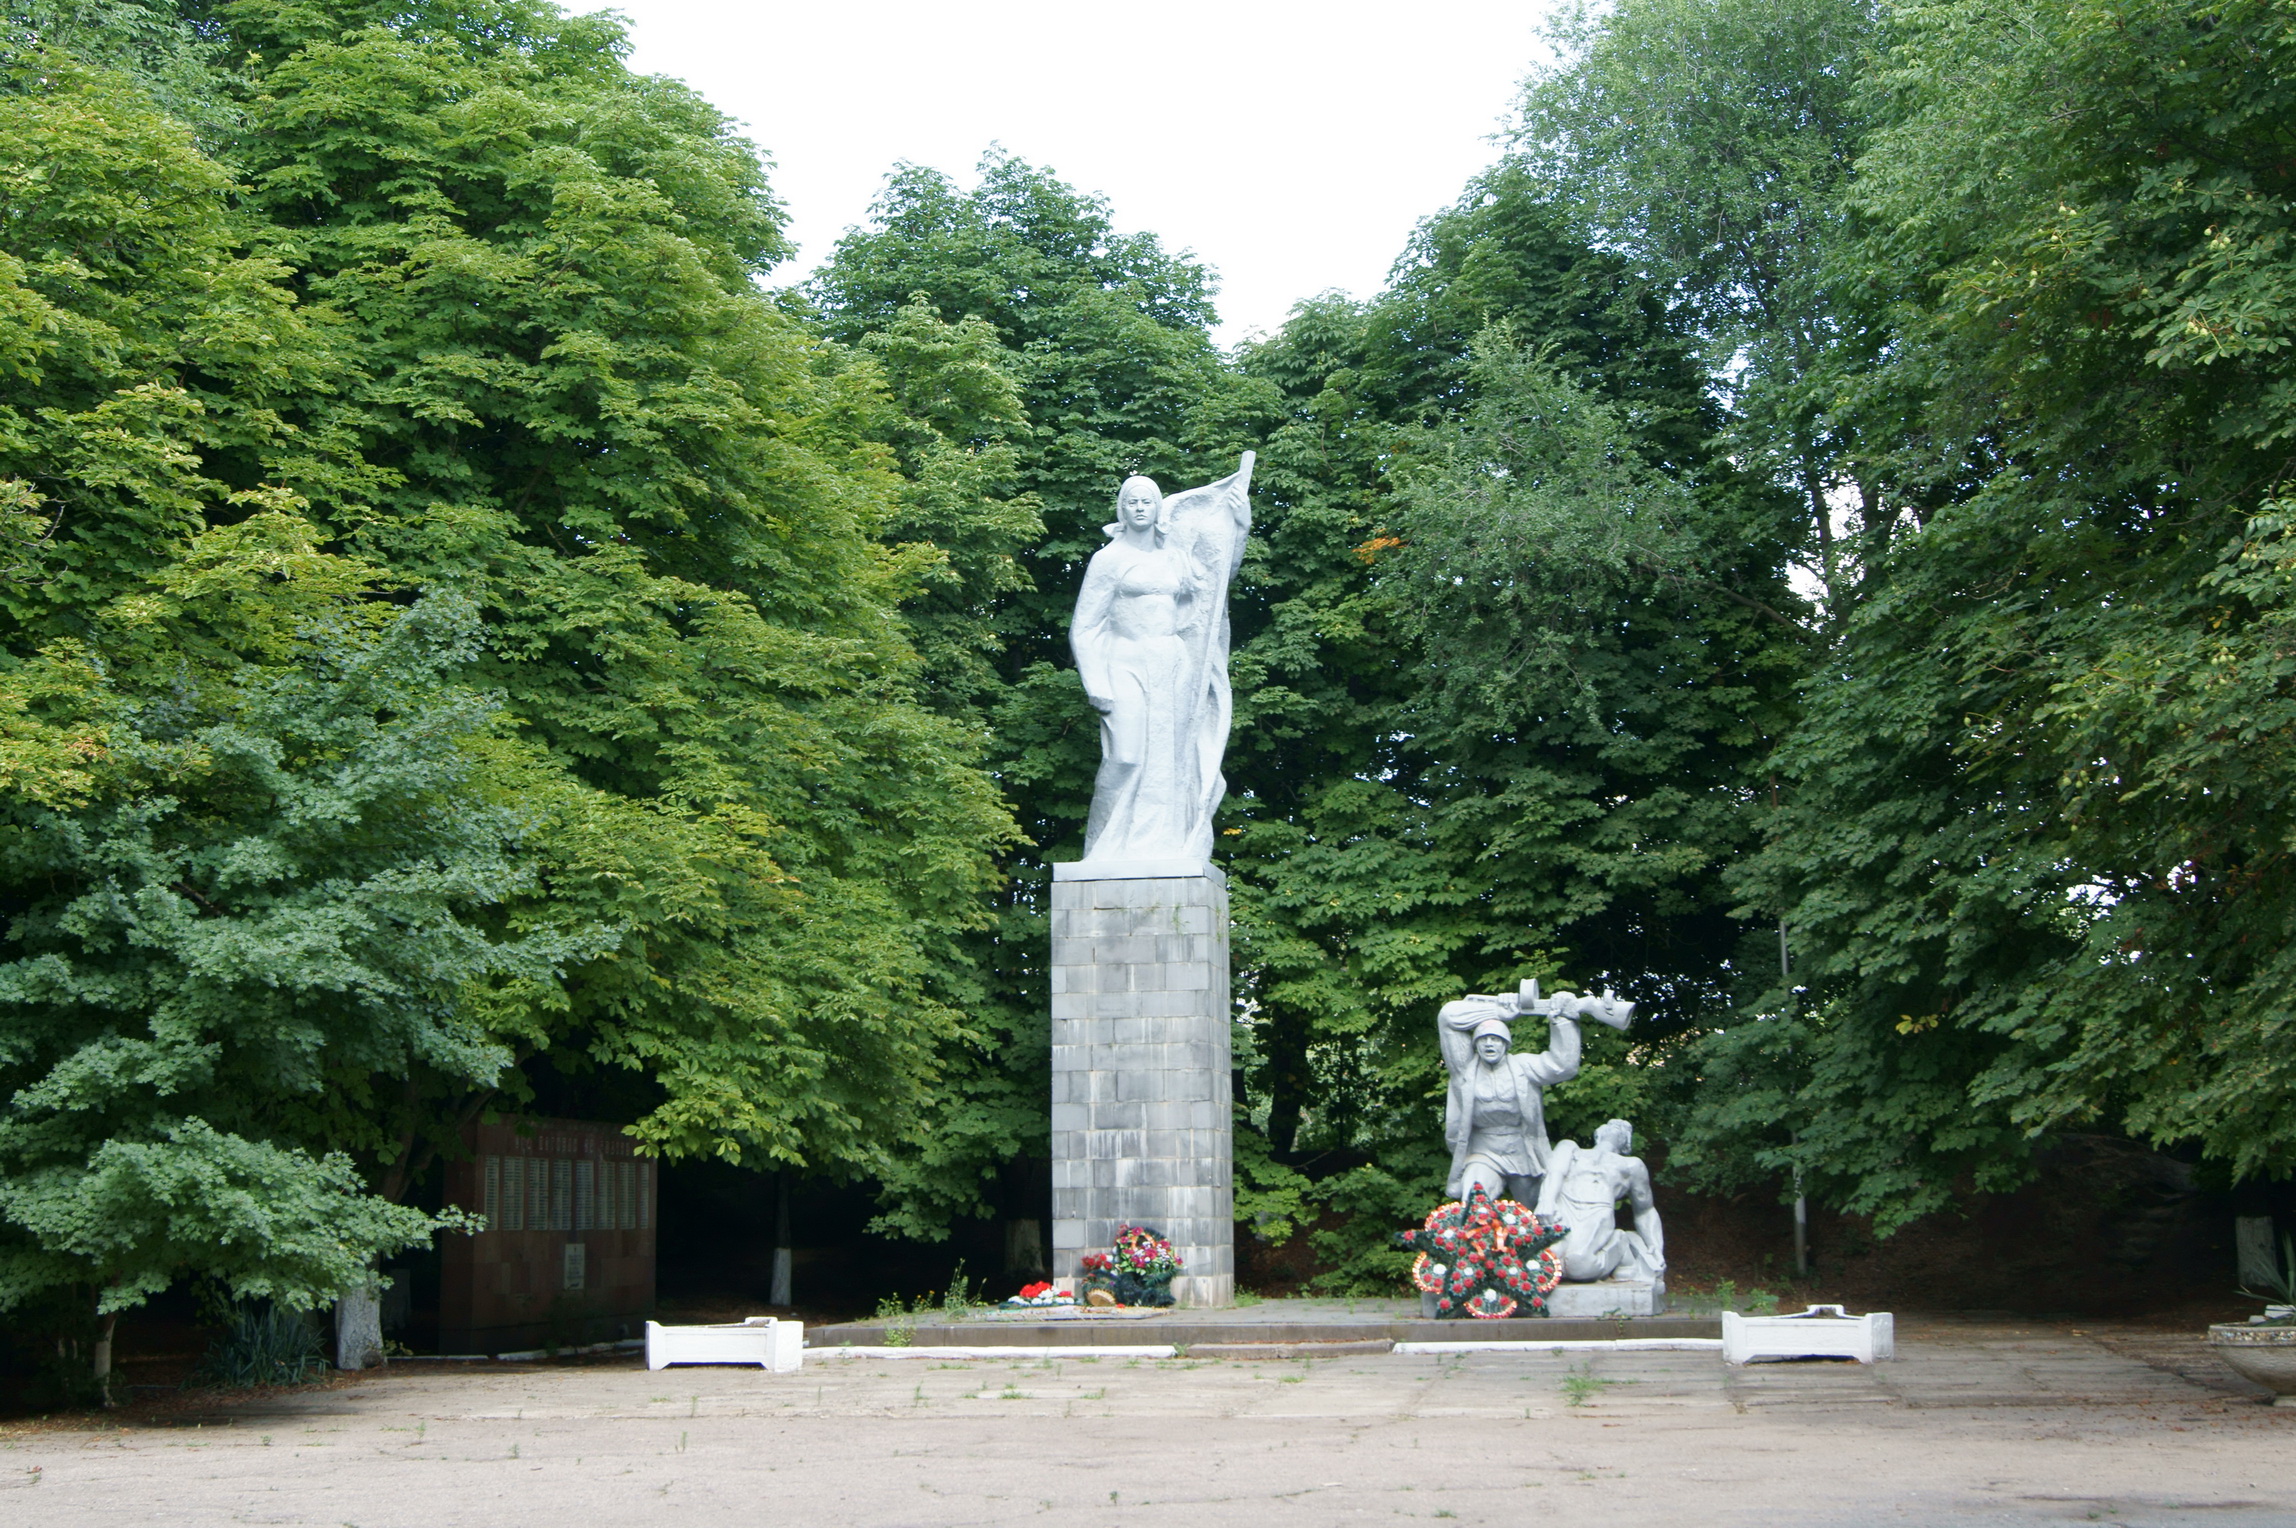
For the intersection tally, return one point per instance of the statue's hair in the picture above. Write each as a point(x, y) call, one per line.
point(1625, 1126)
point(1163, 505)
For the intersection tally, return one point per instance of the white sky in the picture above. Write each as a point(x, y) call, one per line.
point(1292, 146)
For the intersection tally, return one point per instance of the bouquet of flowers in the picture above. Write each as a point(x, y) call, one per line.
point(1485, 1258)
point(1039, 1294)
point(1138, 1272)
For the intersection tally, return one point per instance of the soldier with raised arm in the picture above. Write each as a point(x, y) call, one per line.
point(1494, 1118)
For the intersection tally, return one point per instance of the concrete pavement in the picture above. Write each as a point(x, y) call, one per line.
point(1977, 1423)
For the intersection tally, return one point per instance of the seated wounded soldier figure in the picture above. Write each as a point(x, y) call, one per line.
point(1581, 1191)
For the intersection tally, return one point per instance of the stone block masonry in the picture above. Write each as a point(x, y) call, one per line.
point(1140, 1085)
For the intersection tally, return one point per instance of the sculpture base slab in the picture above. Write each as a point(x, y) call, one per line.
point(1608, 1297)
point(1136, 870)
point(1141, 1131)
point(1593, 1302)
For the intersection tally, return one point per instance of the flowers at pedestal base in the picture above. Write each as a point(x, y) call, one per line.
point(1039, 1294)
point(1487, 1258)
point(1138, 1271)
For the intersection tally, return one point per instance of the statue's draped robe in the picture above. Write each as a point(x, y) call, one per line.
point(1173, 684)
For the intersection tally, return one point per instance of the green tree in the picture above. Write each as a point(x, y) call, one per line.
point(267, 892)
point(153, 45)
point(955, 407)
point(1526, 637)
point(141, 342)
point(572, 400)
point(1711, 142)
point(448, 299)
point(2035, 842)
point(148, 656)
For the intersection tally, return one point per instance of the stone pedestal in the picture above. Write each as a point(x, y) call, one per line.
point(1607, 1297)
point(1140, 1086)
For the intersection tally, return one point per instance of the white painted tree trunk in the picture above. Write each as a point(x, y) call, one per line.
point(359, 1328)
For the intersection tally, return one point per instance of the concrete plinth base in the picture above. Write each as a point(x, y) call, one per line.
point(1140, 1086)
point(1592, 1302)
point(1609, 1297)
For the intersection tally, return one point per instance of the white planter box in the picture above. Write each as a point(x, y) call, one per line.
point(766, 1341)
point(1822, 1331)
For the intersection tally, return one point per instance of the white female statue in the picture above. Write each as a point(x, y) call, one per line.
point(1151, 643)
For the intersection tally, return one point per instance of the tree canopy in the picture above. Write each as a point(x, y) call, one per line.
point(1822, 490)
point(456, 309)
point(2036, 828)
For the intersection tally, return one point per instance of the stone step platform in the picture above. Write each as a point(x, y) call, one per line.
point(1186, 1329)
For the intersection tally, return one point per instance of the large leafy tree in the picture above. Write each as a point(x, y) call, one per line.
point(238, 876)
point(2035, 840)
point(142, 339)
point(665, 496)
point(262, 898)
point(446, 300)
point(1710, 142)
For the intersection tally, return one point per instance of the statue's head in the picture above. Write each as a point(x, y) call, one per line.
point(1139, 505)
point(1615, 1135)
point(1492, 1037)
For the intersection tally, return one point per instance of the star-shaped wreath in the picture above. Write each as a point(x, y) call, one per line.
point(1484, 1257)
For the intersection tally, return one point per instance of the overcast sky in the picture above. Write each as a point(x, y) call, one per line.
point(1291, 146)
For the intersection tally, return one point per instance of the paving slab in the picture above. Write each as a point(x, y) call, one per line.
point(1191, 1334)
point(1976, 1423)
point(1266, 1321)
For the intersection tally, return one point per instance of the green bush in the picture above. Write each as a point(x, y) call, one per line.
point(264, 1344)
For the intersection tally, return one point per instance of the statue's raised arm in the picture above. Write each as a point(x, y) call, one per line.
point(1150, 636)
point(1494, 1113)
point(1211, 522)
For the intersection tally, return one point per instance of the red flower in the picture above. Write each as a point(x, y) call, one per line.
point(1485, 1257)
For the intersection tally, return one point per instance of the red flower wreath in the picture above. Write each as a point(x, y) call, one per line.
point(1485, 1258)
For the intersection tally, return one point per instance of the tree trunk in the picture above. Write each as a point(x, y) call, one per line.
point(1822, 521)
point(412, 1162)
point(1287, 1081)
point(779, 1296)
point(101, 1359)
